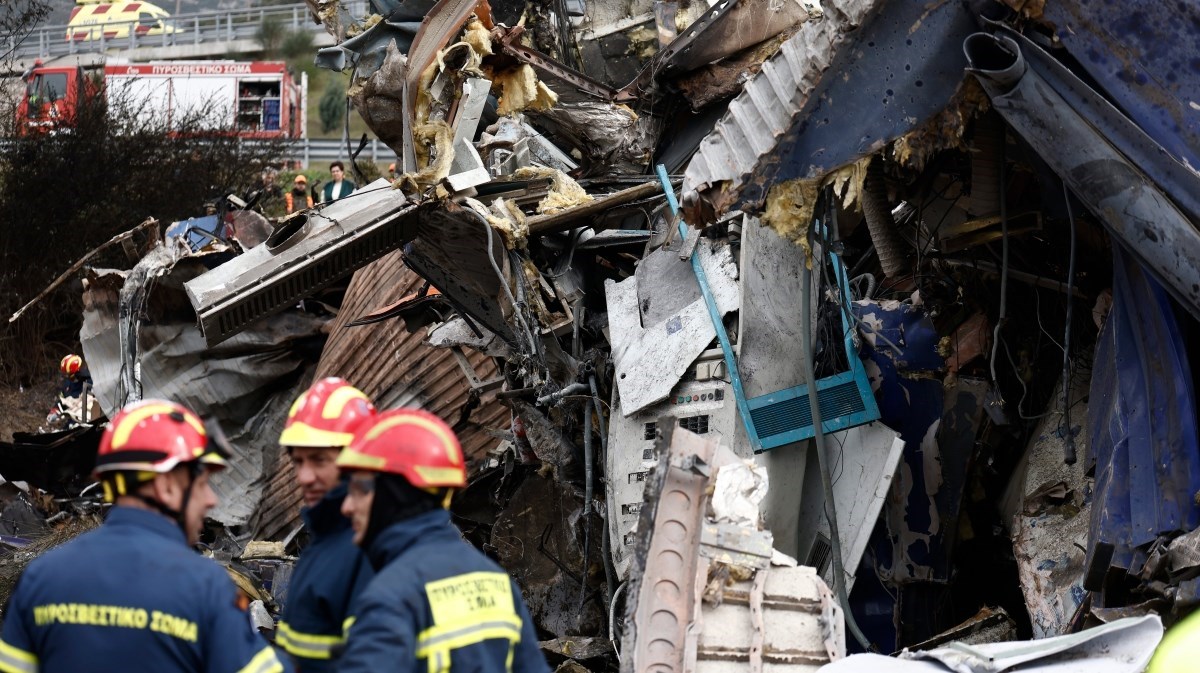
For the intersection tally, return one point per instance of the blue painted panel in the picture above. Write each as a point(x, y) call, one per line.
point(1146, 56)
point(893, 73)
point(1143, 425)
point(910, 405)
point(194, 226)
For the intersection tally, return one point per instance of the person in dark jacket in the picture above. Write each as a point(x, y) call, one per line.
point(436, 604)
point(331, 570)
point(132, 596)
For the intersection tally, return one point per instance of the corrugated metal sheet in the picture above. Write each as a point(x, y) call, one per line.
point(247, 382)
point(395, 368)
point(894, 74)
point(1142, 418)
point(768, 106)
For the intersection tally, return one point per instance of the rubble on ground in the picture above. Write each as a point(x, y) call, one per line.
point(632, 243)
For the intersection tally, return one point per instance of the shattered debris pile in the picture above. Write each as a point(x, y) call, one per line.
point(647, 258)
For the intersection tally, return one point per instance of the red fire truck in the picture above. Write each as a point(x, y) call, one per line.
point(258, 99)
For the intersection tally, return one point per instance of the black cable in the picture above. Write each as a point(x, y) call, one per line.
point(1069, 456)
point(839, 578)
point(1003, 267)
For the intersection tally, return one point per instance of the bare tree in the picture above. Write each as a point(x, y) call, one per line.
point(63, 194)
point(18, 18)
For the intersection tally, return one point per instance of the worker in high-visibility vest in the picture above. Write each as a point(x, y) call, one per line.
point(1179, 651)
point(298, 194)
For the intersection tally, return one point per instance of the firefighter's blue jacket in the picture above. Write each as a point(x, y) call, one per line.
point(129, 596)
point(438, 605)
point(330, 573)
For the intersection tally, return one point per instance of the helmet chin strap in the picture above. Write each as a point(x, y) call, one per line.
point(177, 515)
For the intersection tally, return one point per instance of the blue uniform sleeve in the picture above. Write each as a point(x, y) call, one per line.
point(16, 644)
point(527, 658)
point(230, 643)
point(320, 603)
point(363, 574)
point(382, 637)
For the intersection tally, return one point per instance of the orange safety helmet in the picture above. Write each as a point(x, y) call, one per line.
point(70, 365)
point(152, 437)
point(412, 443)
point(326, 415)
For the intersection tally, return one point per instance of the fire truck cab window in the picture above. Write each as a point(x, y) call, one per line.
point(46, 88)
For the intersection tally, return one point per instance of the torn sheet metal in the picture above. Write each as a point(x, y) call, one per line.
point(989, 625)
point(1050, 525)
point(1143, 426)
point(367, 50)
point(725, 79)
point(1131, 207)
point(728, 29)
point(910, 398)
point(248, 381)
point(395, 368)
point(612, 139)
point(651, 359)
point(1169, 170)
point(539, 538)
point(379, 100)
point(442, 22)
point(306, 253)
point(867, 458)
point(1144, 55)
point(451, 250)
point(1124, 646)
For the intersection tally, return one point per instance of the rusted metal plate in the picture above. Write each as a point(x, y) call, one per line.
point(395, 368)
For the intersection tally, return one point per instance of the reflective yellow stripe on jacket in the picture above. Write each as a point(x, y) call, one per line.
point(306, 645)
point(16, 660)
point(467, 610)
point(263, 662)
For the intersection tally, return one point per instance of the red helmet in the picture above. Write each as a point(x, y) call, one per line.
point(326, 415)
point(412, 443)
point(70, 365)
point(153, 437)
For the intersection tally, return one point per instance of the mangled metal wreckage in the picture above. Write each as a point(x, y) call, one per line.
point(930, 276)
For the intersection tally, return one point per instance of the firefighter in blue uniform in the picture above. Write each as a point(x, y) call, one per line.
point(331, 570)
point(436, 604)
point(132, 595)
